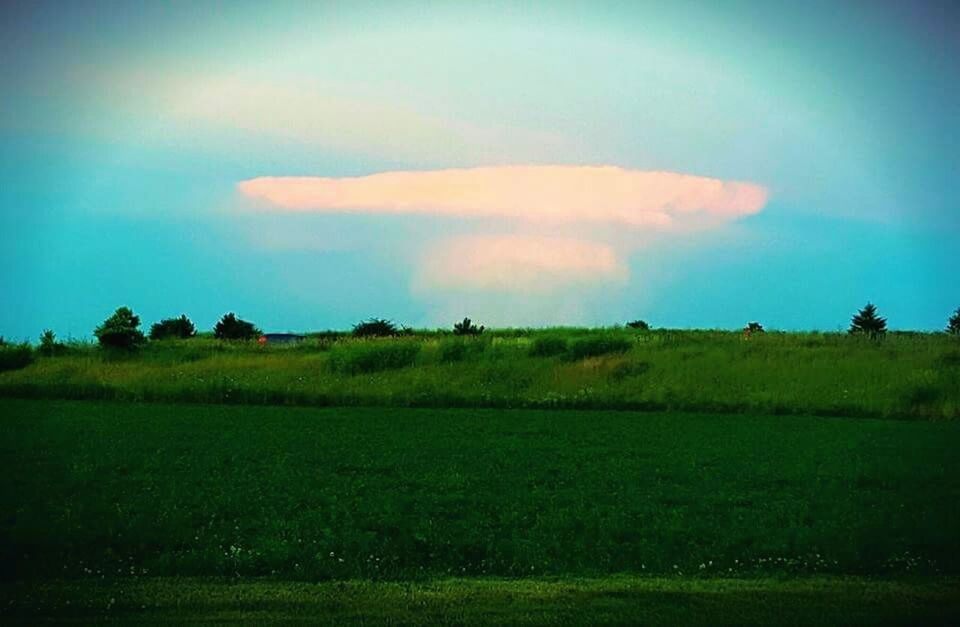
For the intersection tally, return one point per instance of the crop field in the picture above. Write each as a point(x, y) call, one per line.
point(219, 512)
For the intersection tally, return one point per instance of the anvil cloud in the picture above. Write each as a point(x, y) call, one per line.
point(536, 193)
point(544, 200)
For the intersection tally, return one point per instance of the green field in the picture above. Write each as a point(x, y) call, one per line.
point(614, 600)
point(106, 496)
point(910, 375)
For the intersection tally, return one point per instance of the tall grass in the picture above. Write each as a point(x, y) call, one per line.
point(905, 376)
point(594, 346)
point(548, 346)
point(14, 357)
point(365, 357)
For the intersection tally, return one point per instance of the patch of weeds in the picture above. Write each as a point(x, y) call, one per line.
point(547, 346)
point(373, 356)
point(624, 369)
point(14, 357)
point(459, 349)
point(594, 346)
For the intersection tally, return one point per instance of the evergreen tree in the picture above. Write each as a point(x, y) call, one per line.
point(953, 324)
point(868, 322)
point(49, 345)
point(232, 328)
point(467, 328)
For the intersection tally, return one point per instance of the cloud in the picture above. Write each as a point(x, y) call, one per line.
point(516, 263)
point(259, 113)
point(568, 221)
point(535, 193)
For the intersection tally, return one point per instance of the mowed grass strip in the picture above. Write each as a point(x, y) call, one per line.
point(125, 491)
point(613, 600)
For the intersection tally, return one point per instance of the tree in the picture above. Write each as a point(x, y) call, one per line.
point(467, 328)
point(953, 324)
point(181, 327)
point(49, 346)
point(639, 325)
point(232, 328)
point(375, 327)
point(121, 330)
point(868, 322)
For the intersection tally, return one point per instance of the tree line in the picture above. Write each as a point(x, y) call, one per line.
point(122, 329)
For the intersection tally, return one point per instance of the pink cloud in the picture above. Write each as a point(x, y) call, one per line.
point(516, 263)
point(546, 194)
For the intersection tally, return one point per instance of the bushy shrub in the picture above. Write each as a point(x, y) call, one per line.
point(594, 346)
point(15, 356)
point(547, 346)
point(375, 327)
point(49, 346)
point(232, 328)
point(458, 349)
point(367, 357)
point(867, 322)
point(639, 325)
point(173, 328)
point(121, 330)
point(467, 328)
point(953, 324)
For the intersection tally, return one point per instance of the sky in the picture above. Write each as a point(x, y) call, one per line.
point(308, 165)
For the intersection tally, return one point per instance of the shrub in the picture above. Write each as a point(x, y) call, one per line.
point(639, 325)
point(173, 328)
point(547, 346)
point(467, 328)
point(49, 346)
point(953, 324)
point(232, 328)
point(867, 322)
point(594, 346)
point(753, 327)
point(121, 330)
point(15, 356)
point(458, 349)
point(367, 357)
point(375, 327)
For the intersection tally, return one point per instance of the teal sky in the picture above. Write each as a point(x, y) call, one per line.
point(129, 135)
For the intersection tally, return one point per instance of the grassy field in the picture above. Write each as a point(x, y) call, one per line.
point(533, 601)
point(913, 376)
point(126, 491)
point(438, 483)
